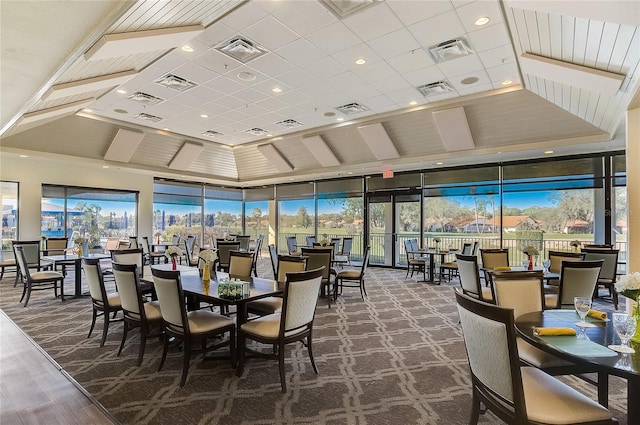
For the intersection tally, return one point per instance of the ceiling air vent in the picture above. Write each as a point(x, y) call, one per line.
point(352, 108)
point(257, 132)
point(211, 133)
point(343, 8)
point(290, 123)
point(147, 117)
point(145, 98)
point(241, 49)
point(174, 82)
point(432, 89)
point(450, 49)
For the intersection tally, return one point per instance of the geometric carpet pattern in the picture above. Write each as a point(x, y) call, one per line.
point(396, 358)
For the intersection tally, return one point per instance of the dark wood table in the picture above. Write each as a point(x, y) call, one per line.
point(76, 262)
point(623, 365)
point(429, 255)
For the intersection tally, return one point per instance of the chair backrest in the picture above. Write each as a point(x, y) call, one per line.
point(365, 261)
point(123, 244)
point(146, 246)
point(609, 266)
point(347, 243)
point(469, 275)
point(598, 246)
point(522, 291)
point(112, 243)
point(56, 246)
point(292, 244)
point(466, 249)
point(299, 300)
point(31, 252)
point(224, 250)
point(577, 279)
point(240, 264)
point(414, 245)
point(21, 261)
point(273, 254)
point(129, 256)
point(492, 258)
point(311, 240)
point(317, 258)
point(93, 273)
point(175, 240)
point(290, 264)
point(557, 257)
point(408, 249)
point(190, 243)
point(171, 299)
point(474, 250)
point(335, 243)
point(133, 242)
point(490, 340)
point(244, 241)
point(126, 277)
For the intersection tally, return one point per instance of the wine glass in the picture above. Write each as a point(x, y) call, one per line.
point(546, 264)
point(525, 264)
point(625, 326)
point(582, 305)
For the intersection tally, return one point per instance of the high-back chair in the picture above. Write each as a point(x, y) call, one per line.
point(518, 394)
point(6, 262)
point(103, 303)
point(273, 255)
point(133, 256)
point(175, 240)
point(113, 242)
point(189, 253)
point(153, 257)
point(356, 277)
point(492, 258)
point(55, 246)
point(470, 278)
point(256, 254)
point(190, 327)
point(244, 241)
point(133, 242)
point(474, 249)
point(137, 313)
point(335, 243)
point(347, 244)
point(311, 240)
point(240, 265)
point(37, 280)
point(224, 250)
point(292, 245)
point(608, 272)
point(32, 255)
point(557, 257)
point(577, 279)
point(414, 262)
point(317, 258)
point(451, 267)
point(294, 323)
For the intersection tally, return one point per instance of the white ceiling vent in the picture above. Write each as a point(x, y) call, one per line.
point(432, 89)
point(147, 117)
point(257, 132)
point(450, 49)
point(145, 99)
point(343, 8)
point(174, 82)
point(211, 133)
point(289, 123)
point(241, 49)
point(352, 108)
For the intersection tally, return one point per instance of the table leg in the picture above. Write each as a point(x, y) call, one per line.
point(78, 278)
point(633, 407)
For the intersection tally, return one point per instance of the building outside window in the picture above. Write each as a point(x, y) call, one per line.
point(9, 198)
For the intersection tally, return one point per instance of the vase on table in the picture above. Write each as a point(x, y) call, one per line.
point(635, 312)
point(174, 264)
point(79, 250)
point(530, 267)
point(206, 277)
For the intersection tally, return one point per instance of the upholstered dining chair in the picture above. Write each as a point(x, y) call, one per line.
point(256, 254)
point(294, 323)
point(103, 303)
point(414, 264)
point(240, 265)
point(224, 249)
point(608, 272)
point(356, 277)
point(32, 254)
point(469, 273)
point(557, 257)
point(244, 241)
point(134, 256)
point(137, 313)
point(321, 257)
point(344, 257)
point(189, 251)
point(310, 240)
point(292, 245)
point(492, 258)
point(451, 267)
point(133, 242)
point(55, 246)
point(6, 263)
point(190, 327)
point(577, 279)
point(518, 394)
point(273, 255)
point(153, 257)
point(37, 280)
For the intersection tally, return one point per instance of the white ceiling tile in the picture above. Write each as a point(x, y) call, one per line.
point(254, 110)
point(293, 97)
point(504, 72)
point(300, 52)
point(483, 80)
point(197, 47)
point(270, 64)
point(272, 104)
point(195, 73)
point(376, 71)
point(250, 95)
point(160, 67)
point(271, 5)
point(216, 61)
point(189, 100)
point(204, 92)
point(243, 16)
point(216, 34)
point(335, 99)
point(233, 75)
point(433, 31)
point(461, 65)
point(305, 17)
point(444, 96)
point(379, 103)
point(230, 102)
point(403, 97)
point(469, 12)
point(334, 38)
point(270, 33)
point(373, 22)
point(292, 112)
point(411, 12)
point(236, 115)
point(225, 85)
point(214, 107)
point(348, 57)
point(475, 89)
point(411, 61)
point(488, 38)
point(317, 89)
point(391, 84)
point(424, 76)
point(498, 56)
point(361, 92)
point(324, 67)
point(297, 78)
point(273, 117)
point(395, 43)
point(344, 80)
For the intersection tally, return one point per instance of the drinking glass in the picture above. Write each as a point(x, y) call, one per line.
point(625, 326)
point(525, 264)
point(546, 264)
point(582, 305)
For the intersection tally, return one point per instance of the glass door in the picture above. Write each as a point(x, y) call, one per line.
point(407, 225)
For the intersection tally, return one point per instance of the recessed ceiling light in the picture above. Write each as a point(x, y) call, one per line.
point(246, 76)
point(121, 91)
point(506, 82)
point(24, 156)
point(548, 152)
point(87, 110)
point(470, 80)
point(413, 103)
point(204, 116)
point(187, 49)
point(340, 119)
point(165, 129)
point(329, 114)
point(484, 20)
point(276, 90)
point(349, 172)
point(439, 163)
point(105, 166)
point(361, 61)
point(120, 111)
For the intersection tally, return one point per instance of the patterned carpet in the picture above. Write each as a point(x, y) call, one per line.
point(396, 358)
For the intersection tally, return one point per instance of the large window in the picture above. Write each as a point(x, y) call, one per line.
point(9, 198)
point(177, 210)
point(296, 213)
point(223, 212)
point(94, 214)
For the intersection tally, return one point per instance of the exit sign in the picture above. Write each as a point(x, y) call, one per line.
point(387, 174)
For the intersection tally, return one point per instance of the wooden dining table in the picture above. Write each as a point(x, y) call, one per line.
point(591, 351)
point(76, 262)
point(429, 256)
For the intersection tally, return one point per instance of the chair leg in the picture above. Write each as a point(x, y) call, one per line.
point(105, 328)
point(283, 384)
point(240, 353)
point(185, 362)
point(26, 301)
point(165, 349)
point(125, 331)
point(93, 321)
point(310, 350)
point(143, 343)
point(363, 290)
point(475, 410)
point(24, 291)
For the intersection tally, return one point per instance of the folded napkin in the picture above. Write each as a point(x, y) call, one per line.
point(554, 331)
point(597, 314)
point(502, 268)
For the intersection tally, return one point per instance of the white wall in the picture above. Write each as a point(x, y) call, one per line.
point(633, 191)
point(31, 173)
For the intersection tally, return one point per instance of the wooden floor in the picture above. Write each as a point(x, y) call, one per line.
point(34, 389)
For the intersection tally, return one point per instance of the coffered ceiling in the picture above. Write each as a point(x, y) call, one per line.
point(538, 75)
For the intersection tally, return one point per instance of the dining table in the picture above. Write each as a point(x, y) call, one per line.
point(76, 262)
point(590, 349)
point(429, 256)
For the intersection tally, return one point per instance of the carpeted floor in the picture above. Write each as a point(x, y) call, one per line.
point(396, 358)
